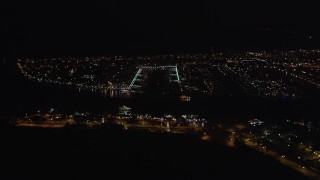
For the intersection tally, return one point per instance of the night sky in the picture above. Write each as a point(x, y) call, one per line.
point(50, 28)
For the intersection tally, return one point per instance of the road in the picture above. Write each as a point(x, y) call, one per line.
point(282, 159)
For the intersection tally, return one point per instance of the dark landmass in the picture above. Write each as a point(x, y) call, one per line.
point(111, 153)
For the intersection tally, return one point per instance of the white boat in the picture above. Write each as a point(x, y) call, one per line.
point(124, 108)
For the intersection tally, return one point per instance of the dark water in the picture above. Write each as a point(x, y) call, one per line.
point(19, 95)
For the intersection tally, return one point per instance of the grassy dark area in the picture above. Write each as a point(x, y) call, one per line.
point(110, 153)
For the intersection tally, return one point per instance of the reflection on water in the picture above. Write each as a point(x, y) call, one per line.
point(118, 93)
